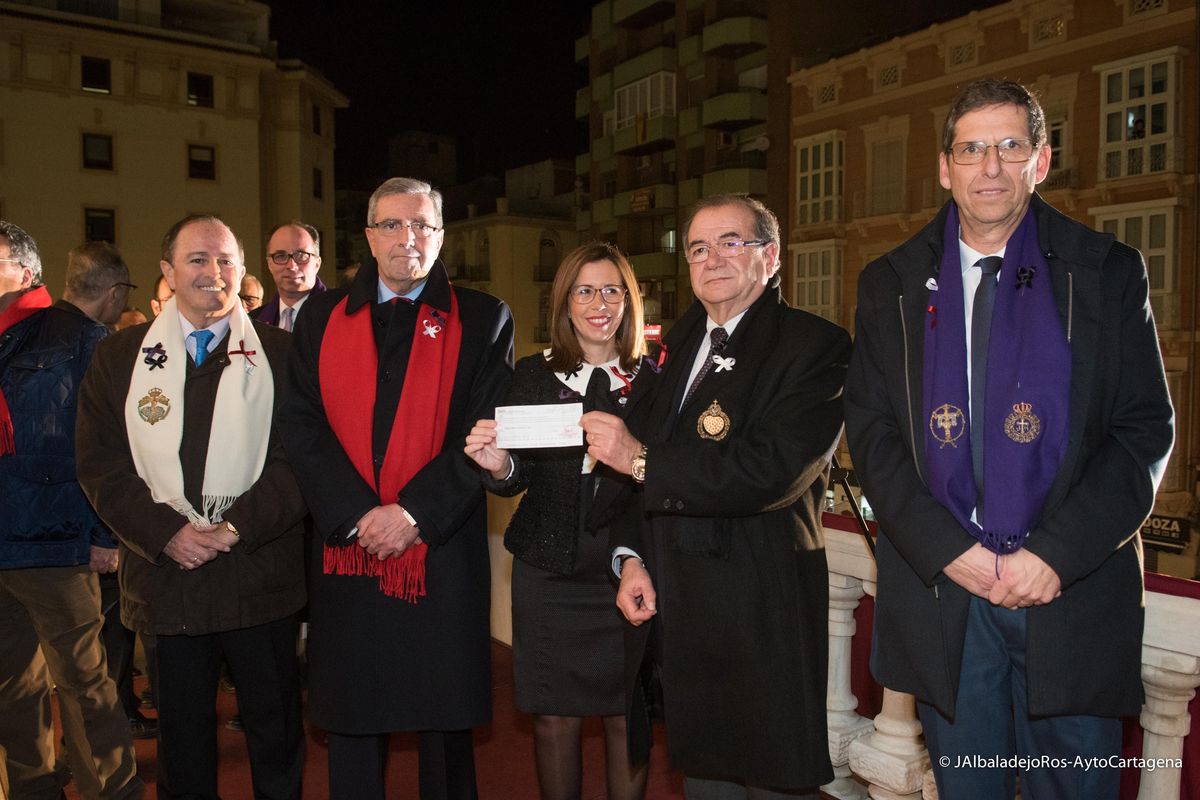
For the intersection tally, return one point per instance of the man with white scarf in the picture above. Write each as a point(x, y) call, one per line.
point(178, 452)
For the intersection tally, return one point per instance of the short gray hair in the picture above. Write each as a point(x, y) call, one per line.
point(766, 224)
point(404, 186)
point(23, 249)
point(94, 268)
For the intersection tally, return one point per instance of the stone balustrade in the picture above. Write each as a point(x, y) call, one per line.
point(885, 758)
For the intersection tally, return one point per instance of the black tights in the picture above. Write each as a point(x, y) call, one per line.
point(558, 744)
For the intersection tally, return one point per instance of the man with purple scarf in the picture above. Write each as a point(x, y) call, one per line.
point(1008, 418)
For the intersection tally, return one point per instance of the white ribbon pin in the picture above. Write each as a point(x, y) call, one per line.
point(432, 330)
point(724, 364)
point(931, 284)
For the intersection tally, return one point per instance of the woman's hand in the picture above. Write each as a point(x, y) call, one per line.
point(481, 448)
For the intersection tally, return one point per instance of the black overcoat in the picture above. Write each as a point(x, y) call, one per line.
point(1083, 649)
point(732, 537)
point(379, 663)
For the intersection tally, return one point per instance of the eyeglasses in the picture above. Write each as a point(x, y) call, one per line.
point(11, 260)
point(301, 257)
point(250, 298)
point(393, 227)
point(698, 253)
point(129, 286)
point(609, 294)
point(1010, 151)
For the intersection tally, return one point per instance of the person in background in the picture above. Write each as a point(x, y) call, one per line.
point(568, 637)
point(52, 544)
point(251, 293)
point(294, 258)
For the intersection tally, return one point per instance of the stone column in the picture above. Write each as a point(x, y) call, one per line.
point(1170, 680)
point(892, 758)
point(845, 725)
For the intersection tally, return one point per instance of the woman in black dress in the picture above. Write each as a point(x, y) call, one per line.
point(568, 655)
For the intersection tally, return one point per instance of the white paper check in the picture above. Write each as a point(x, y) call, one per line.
point(557, 425)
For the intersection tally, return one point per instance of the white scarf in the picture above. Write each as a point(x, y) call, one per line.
point(237, 443)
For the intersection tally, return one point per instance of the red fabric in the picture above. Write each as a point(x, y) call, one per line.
point(26, 305)
point(348, 366)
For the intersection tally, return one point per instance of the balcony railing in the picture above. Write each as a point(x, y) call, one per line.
point(888, 754)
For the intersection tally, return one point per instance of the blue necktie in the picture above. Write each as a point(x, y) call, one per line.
point(202, 337)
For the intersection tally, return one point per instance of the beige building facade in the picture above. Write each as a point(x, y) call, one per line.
point(1118, 81)
point(116, 123)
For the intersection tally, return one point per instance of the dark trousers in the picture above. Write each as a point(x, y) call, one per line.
point(992, 721)
point(357, 765)
point(118, 645)
point(262, 660)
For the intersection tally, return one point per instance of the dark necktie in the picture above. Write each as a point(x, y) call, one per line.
point(981, 334)
point(718, 336)
point(202, 338)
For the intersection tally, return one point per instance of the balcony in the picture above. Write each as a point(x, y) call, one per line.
point(602, 211)
point(657, 60)
point(734, 37)
point(583, 163)
point(886, 752)
point(583, 102)
point(583, 47)
point(639, 13)
point(602, 149)
point(689, 50)
point(688, 192)
point(738, 180)
point(734, 110)
point(646, 136)
point(689, 120)
point(656, 199)
point(659, 264)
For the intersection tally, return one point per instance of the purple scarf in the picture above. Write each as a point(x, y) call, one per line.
point(1027, 393)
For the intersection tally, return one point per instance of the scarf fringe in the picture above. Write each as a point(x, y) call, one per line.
point(402, 577)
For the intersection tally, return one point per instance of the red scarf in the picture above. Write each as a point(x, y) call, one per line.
point(348, 367)
point(26, 305)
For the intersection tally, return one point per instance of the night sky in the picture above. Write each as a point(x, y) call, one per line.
point(499, 75)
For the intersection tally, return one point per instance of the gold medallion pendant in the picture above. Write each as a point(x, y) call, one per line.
point(154, 407)
point(947, 424)
point(713, 423)
point(1022, 426)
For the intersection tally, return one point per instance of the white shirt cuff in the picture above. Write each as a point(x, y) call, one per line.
point(618, 554)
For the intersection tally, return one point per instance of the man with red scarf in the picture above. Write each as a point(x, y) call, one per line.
point(387, 376)
point(51, 542)
point(1008, 416)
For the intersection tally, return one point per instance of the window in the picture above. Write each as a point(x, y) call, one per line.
point(95, 75)
point(887, 177)
point(819, 178)
point(1058, 135)
point(653, 96)
point(1137, 117)
point(827, 94)
point(1149, 227)
point(1173, 479)
point(817, 267)
point(318, 184)
point(97, 151)
point(316, 119)
point(100, 225)
point(1047, 30)
point(1144, 8)
point(202, 162)
point(961, 54)
point(200, 89)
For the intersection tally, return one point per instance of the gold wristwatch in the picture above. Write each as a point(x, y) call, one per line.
point(638, 468)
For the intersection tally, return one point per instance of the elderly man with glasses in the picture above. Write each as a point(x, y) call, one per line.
point(722, 563)
point(1008, 417)
point(294, 258)
point(52, 544)
point(387, 377)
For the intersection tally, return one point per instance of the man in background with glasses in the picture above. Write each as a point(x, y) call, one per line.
point(294, 257)
point(725, 535)
point(387, 377)
point(52, 544)
point(1008, 418)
